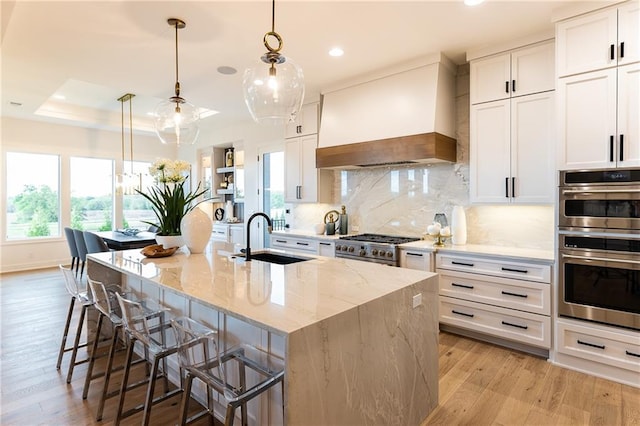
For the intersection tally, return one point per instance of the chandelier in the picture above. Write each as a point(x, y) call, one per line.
point(273, 93)
point(176, 119)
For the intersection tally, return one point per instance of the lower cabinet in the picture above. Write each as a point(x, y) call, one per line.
point(303, 245)
point(496, 297)
point(229, 233)
point(599, 350)
point(416, 259)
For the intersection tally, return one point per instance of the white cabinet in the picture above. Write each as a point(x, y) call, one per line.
point(416, 259)
point(502, 298)
point(516, 73)
point(598, 40)
point(303, 182)
point(229, 233)
point(306, 122)
point(295, 244)
point(598, 118)
point(512, 150)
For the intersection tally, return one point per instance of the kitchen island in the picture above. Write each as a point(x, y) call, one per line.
point(359, 340)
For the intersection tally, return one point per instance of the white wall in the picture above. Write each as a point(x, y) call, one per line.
point(66, 141)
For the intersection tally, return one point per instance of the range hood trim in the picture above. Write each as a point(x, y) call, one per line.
point(430, 147)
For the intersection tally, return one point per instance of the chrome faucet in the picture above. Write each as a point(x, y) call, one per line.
point(247, 251)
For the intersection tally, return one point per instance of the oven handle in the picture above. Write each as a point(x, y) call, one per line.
point(588, 191)
point(599, 259)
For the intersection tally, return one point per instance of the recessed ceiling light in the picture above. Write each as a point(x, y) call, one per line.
point(13, 103)
point(59, 97)
point(336, 51)
point(473, 2)
point(227, 70)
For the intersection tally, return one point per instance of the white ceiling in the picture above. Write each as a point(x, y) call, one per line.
point(92, 52)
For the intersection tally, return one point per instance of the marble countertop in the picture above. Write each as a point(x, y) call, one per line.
point(279, 298)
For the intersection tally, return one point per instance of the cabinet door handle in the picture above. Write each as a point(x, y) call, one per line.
point(523, 327)
point(414, 254)
point(470, 287)
point(325, 244)
point(513, 187)
point(506, 86)
point(622, 50)
point(508, 293)
point(453, 262)
point(522, 271)
point(513, 86)
point(298, 192)
point(302, 244)
point(631, 354)
point(611, 148)
point(281, 241)
point(591, 345)
point(506, 187)
point(621, 147)
point(612, 50)
point(462, 313)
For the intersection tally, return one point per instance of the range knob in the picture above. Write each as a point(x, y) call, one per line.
point(362, 252)
point(374, 252)
point(351, 249)
point(344, 248)
point(382, 253)
point(389, 254)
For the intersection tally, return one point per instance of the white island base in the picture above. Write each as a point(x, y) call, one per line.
point(359, 340)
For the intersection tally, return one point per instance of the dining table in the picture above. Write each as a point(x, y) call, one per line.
point(118, 240)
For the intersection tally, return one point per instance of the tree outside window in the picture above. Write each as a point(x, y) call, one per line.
point(33, 195)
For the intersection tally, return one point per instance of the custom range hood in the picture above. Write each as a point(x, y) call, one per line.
point(394, 117)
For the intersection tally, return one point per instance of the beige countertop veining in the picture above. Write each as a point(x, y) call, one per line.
point(279, 298)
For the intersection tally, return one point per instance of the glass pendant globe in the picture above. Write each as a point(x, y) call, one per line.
point(273, 99)
point(178, 126)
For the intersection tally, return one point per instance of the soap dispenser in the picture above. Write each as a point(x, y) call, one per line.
point(344, 221)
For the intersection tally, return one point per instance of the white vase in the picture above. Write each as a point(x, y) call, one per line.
point(196, 229)
point(169, 241)
point(458, 226)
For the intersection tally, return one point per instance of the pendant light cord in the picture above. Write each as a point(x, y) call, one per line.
point(122, 122)
point(131, 132)
point(177, 88)
point(273, 16)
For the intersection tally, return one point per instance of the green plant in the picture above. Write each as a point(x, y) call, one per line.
point(169, 200)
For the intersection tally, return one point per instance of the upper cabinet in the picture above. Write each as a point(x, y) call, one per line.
point(512, 138)
point(304, 183)
point(598, 91)
point(515, 73)
point(306, 122)
point(598, 40)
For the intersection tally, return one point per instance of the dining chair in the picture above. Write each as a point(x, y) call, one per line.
point(73, 249)
point(82, 249)
point(94, 243)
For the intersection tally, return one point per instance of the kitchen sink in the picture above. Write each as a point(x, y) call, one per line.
point(280, 259)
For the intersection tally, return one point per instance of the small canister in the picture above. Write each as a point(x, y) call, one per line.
point(344, 222)
point(330, 228)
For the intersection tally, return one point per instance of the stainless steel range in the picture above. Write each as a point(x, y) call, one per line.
point(371, 248)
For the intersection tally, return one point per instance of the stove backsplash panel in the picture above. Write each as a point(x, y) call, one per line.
point(403, 201)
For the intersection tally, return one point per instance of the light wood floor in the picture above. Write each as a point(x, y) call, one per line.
point(479, 383)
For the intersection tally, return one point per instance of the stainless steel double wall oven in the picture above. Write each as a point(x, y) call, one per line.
point(599, 246)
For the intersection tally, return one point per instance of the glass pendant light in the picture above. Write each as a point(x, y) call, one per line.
point(273, 93)
point(176, 119)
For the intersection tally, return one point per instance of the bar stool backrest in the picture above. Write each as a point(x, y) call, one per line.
point(105, 301)
point(70, 281)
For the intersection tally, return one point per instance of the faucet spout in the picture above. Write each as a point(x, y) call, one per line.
point(247, 251)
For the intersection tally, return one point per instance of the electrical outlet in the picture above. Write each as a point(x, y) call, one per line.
point(417, 300)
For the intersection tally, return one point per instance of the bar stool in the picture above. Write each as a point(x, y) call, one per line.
point(106, 304)
point(150, 330)
point(200, 357)
point(83, 297)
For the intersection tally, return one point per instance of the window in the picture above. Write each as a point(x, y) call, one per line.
point(91, 185)
point(33, 195)
point(136, 208)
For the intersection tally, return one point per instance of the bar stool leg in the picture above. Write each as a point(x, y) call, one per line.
point(107, 372)
point(184, 405)
point(150, 389)
point(125, 379)
point(74, 353)
point(66, 333)
point(92, 359)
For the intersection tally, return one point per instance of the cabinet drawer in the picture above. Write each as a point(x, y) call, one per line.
point(507, 269)
point(504, 292)
point(603, 346)
point(531, 329)
point(419, 260)
point(297, 244)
